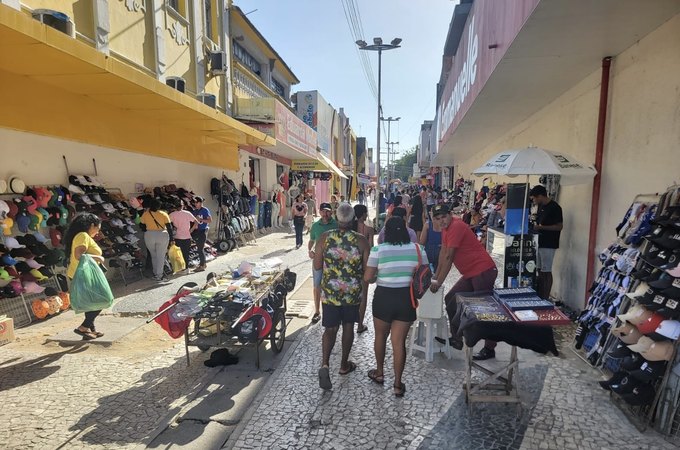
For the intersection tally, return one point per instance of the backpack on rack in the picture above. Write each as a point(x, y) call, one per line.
point(215, 187)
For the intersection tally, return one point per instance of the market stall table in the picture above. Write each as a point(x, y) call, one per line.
point(485, 316)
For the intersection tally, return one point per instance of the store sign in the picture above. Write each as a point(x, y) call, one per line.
point(306, 165)
point(362, 178)
point(317, 114)
point(490, 29)
point(294, 132)
point(323, 176)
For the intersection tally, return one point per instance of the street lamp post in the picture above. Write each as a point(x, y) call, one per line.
point(391, 153)
point(379, 47)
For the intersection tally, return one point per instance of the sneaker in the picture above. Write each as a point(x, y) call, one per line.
point(484, 354)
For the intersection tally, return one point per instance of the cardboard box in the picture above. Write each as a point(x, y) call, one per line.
point(6, 330)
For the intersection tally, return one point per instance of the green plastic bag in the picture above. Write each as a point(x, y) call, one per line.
point(90, 291)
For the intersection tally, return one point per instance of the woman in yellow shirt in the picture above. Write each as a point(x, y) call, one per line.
point(157, 228)
point(77, 242)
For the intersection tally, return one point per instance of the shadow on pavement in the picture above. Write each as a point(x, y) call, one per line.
point(489, 425)
point(36, 369)
point(130, 416)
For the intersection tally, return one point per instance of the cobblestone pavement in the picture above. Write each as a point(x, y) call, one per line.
point(562, 406)
point(91, 396)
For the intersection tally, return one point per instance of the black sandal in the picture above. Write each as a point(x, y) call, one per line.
point(87, 336)
point(376, 377)
point(400, 390)
point(361, 328)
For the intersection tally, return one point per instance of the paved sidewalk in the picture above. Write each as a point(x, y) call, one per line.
point(562, 406)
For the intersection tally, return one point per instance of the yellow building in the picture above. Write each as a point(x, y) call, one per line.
point(137, 90)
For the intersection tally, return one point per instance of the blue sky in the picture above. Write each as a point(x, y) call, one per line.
point(314, 39)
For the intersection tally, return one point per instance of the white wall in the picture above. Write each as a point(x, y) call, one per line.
point(642, 146)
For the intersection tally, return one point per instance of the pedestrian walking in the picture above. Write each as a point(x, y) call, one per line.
point(415, 221)
point(325, 223)
point(461, 248)
point(158, 233)
point(391, 266)
point(200, 234)
point(360, 196)
point(367, 231)
point(311, 212)
point(299, 215)
point(185, 223)
point(78, 241)
point(341, 255)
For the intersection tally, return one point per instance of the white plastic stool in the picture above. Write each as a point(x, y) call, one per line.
point(431, 315)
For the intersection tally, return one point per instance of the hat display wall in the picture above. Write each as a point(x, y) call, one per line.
point(3, 186)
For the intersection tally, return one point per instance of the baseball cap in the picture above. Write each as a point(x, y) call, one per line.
point(649, 371)
point(440, 210)
point(658, 351)
point(620, 350)
point(632, 362)
point(669, 329)
point(325, 207)
point(626, 385)
point(11, 242)
point(670, 309)
point(31, 287)
point(650, 325)
point(639, 291)
point(673, 290)
point(627, 332)
point(670, 238)
point(644, 343)
point(32, 263)
point(635, 315)
point(642, 394)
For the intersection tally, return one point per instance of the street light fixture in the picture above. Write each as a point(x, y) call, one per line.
point(379, 47)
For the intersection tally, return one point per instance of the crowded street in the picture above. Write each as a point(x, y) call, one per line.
point(385, 224)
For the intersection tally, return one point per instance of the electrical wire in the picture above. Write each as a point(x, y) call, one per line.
point(353, 19)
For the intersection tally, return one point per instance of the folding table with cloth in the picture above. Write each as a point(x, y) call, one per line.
point(514, 316)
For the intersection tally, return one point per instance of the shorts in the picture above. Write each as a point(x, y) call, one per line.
point(391, 304)
point(544, 259)
point(332, 316)
point(316, 276)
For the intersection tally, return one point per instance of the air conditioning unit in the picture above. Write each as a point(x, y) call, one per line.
point(55, 19)
point(178, 83)
point(218, 63)
point(208, 99)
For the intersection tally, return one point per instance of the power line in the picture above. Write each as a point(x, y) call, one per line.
point(356, 30)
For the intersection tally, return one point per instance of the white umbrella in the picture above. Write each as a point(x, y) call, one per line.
point(536, 161)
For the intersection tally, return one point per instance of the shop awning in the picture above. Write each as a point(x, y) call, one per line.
point(561, 43)
point(54, 85)
point(331, 165)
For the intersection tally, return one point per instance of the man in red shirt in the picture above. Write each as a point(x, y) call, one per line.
point(462, 249)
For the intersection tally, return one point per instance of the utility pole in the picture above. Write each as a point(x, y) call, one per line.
point(392, 153)
point(389, 121)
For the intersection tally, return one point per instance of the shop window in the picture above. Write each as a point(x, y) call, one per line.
point(247, 59)
point(278, 88)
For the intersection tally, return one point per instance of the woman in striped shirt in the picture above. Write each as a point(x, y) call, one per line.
point(391, 265)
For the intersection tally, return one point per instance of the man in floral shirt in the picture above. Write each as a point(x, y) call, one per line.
point(342, 255)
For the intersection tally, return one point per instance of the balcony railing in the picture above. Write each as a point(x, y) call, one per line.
point(248, 85)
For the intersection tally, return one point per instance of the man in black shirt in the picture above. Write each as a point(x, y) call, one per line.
point(548, 226)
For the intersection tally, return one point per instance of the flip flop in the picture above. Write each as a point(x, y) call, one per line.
point(352, 368)
point(325, 379)
point(400, 390)
point(373, 375)
point(87, 336)
point(361, 328)
point(98, 333)
point(316, 317)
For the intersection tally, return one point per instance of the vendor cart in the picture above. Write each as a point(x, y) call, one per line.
point(228, 318)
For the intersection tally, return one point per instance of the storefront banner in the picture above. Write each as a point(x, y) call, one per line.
point(490, 29)
point(316, 113)
point(363, 178)
point(294, 132)
point(307, 165)
point(265, 154)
